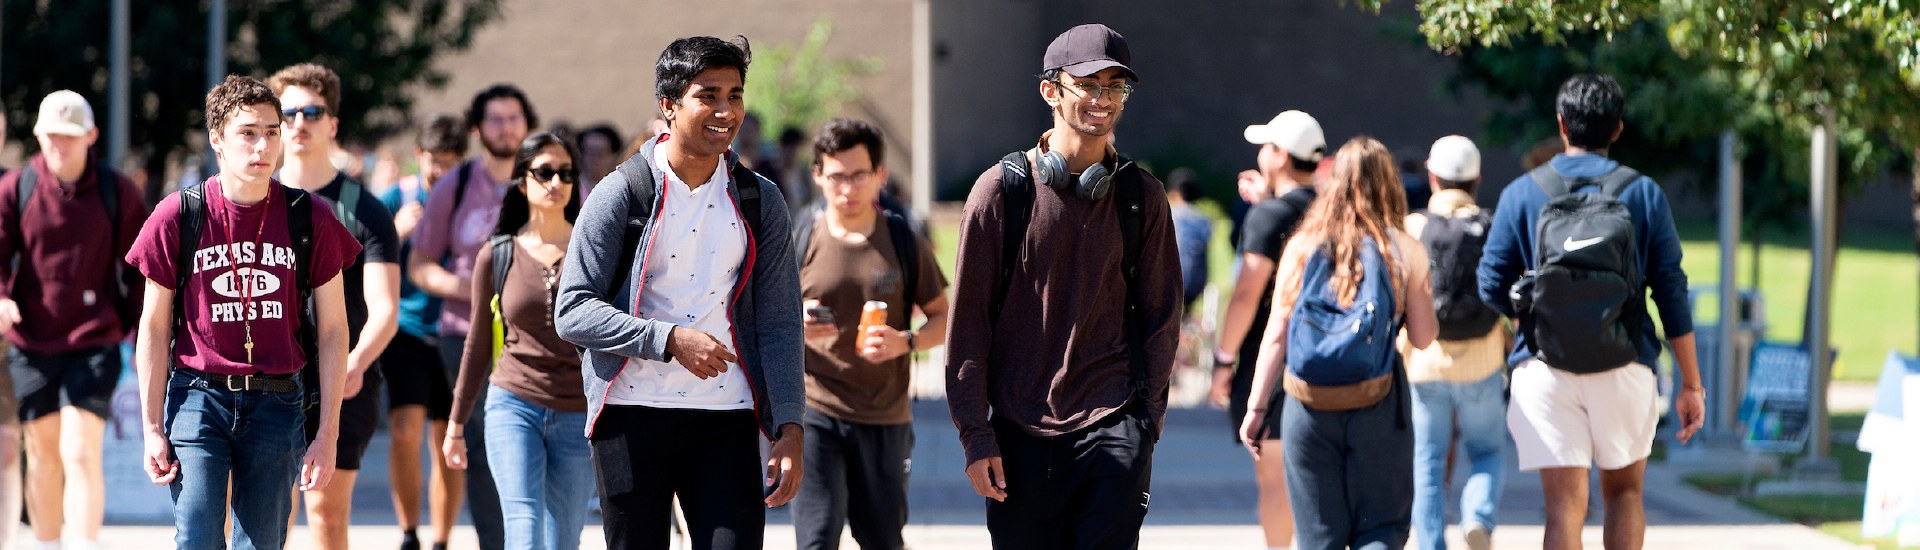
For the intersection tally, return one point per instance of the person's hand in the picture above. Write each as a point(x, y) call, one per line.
point(1222, 391)
point(882, 343)
point(1691, 407)
point(161, 467)
point(699, 352)
point(9, 314)
point(1253, 187)
point(408, 217)
point(355, 380)
point(454, 449)
point(989, 478)
point(784, 465)
point(1250, 431)
point(821, 330)
point(317, 468)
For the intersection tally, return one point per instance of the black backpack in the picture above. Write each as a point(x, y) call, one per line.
point(1581, 306)
point(905, 246)
point(1016, 180)
point(1455, 244)
point(191, 221)
point(109, 189)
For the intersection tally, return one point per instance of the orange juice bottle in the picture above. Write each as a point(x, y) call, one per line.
point(874, 314)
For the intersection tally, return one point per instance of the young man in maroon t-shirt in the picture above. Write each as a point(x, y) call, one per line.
point(224, 400)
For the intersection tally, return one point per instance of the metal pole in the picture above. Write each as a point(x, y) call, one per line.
point(1825, 183)
point(118, 82)
point(216, 61)
point(922, 106)
point(1728, 394)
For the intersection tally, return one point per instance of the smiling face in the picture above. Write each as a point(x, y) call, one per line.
point(708, 115)
point(305, 135)
point(550, 194)
point(1080, 111)
point(249, 143)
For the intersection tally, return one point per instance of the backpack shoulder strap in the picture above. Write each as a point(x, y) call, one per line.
point(640, 198)
point(749, 185)
point(300, 227)
point(109, 188)
point(1130, 204)
point(803, 231)
point(502, 246)
point(189, 223)
point(460, 186)
point(1016, 196)
point(907, 251)
point(1550, 180)
point(23, 190)
point(1616, 182)
point(346, 209)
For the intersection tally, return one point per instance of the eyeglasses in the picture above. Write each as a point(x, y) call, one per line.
point(1094, 92)
point(849, 178)
point(546, 173)
point(312, 112)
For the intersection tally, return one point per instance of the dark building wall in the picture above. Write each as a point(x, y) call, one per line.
point(1208, 70)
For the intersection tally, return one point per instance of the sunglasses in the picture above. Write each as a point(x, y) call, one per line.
point(546, 173)
point(311, 112)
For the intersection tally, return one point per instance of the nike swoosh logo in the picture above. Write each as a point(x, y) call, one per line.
point(1572, 245)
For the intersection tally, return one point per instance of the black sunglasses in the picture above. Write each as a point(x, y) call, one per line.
point(311, 111)
point(546, 173)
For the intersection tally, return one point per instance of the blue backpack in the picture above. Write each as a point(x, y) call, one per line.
point(1342, 358)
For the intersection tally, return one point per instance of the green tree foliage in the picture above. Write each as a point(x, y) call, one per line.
point(799, 86)
point(383, 49)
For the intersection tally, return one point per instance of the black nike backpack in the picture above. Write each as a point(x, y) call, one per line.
point(1455, 244)
point(1581, 306)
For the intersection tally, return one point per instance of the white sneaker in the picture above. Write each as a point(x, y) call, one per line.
point(1479, 537)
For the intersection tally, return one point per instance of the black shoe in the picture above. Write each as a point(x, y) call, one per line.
point(439, 546)
point(409, 541)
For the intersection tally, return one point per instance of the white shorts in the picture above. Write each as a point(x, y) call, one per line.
point(1564, 420)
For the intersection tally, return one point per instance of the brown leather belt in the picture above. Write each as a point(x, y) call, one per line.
point(271, 383)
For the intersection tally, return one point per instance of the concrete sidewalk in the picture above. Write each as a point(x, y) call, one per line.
point(1204, 497)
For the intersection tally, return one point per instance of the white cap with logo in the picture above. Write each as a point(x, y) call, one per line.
point(1454, 158)
point(64, 113)
point(1295, 132)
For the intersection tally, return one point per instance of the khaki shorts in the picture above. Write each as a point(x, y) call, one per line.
point(1564, 420)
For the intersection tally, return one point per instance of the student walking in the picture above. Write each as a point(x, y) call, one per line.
point(419, 392)
point(309, 96)
point(461, 213)
point(681, 285)
point(1068, 293)
point(230, 264)
point(67, 299)
point(10, 491)
point(1459, 385)
point(535, 403)
point(859, 421)
point(1349, 281)
point(1291, 147)
point(1577, 243)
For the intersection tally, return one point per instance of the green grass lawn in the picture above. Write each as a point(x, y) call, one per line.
point(1876, 298)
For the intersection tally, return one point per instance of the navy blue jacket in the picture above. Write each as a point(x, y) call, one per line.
point(1509, 251)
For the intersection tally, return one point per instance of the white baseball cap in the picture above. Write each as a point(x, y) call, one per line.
point(1454, 158)
point(64, 113)
point(1293, 131)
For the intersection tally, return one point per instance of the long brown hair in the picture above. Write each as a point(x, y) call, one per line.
point(1364, 199)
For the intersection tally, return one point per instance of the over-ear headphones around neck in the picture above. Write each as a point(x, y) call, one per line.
point(1051, 170)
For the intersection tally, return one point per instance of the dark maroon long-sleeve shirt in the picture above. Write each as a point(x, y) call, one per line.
point(1057, 361)
point(67, 259)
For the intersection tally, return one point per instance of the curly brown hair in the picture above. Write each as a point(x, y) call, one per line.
point(238, 91)
point(315, 78)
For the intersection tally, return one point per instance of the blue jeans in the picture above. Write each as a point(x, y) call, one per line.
point(1479, 412)
point(543, 468)
point(255, 436)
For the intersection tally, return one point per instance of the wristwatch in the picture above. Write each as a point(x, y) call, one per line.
point(910, 347)
point(1220, 360)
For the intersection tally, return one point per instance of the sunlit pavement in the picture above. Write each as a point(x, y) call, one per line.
point(1204, 497)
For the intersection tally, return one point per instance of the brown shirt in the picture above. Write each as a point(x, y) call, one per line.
point(534, 362)
point(843, 277)
point(1058, 360)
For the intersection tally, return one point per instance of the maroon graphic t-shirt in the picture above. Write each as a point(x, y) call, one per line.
point(243, 274)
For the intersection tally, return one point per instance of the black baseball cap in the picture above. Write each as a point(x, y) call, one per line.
point(1088, 49)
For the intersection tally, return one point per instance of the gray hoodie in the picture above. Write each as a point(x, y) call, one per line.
point(765, 315)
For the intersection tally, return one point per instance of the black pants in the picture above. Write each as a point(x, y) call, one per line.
point(1083, 490)
point(483, 500)
point(1350, 473)
point(856, 476)
point(643, 456)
